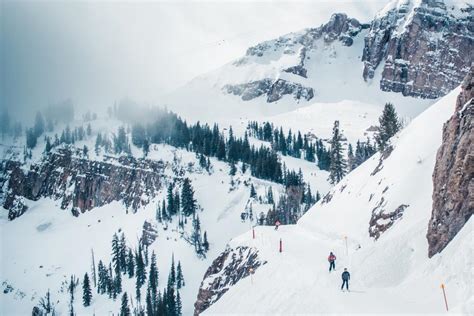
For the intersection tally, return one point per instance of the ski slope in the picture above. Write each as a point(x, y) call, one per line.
point(390, 275)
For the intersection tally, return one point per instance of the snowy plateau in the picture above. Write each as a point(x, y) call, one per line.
point(254, 139)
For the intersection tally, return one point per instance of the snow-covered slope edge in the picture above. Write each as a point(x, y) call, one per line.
point(390, 200)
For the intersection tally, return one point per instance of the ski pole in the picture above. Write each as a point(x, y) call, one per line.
point(444, 295)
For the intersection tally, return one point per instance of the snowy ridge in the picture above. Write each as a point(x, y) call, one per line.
point(392, 274)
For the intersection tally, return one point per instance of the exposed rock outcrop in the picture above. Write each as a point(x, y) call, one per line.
point(226, 270)
point(149, 233)
point(80, 184)
point(381, 219)
point(274, 90)
point(425, 49)
point(453, 176)
point(339, 28)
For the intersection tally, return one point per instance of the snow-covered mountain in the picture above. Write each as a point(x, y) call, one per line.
point(411, 48)
point(376, 221)
point(63, 200)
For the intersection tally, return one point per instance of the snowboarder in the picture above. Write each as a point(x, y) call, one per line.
point(346, 276)
point(332, 262)
point(277, 224)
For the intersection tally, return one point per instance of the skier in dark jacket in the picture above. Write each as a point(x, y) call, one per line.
point(346, 276)
point(332, 262)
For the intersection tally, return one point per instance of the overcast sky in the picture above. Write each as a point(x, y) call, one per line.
point(98, 52)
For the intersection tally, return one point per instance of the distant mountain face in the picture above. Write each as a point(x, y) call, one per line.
point(423, 47)
point(416, 48)
point(292, 53)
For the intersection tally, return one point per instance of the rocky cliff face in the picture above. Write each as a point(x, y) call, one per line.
point(274, 90)
point(425, 49)
point(80, 184)
point(339, 28)
point(226, 270)
point(453, 177)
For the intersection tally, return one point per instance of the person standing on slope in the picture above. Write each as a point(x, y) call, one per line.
point(332, 262)
point(277, 224)
point(346, 276)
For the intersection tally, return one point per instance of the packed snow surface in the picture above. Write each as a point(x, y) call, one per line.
point(392, 274)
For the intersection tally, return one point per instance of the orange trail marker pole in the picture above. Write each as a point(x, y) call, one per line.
point(281, 246)
point(444, 295)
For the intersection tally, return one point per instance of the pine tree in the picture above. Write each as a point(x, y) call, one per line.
point(39, 124)
point(179, 276)
point(130, 264)
point(140, 267)
point(121, 144)
point(179, 305)
point(124, 308)
point(164, 215)
point(170, 200)
point(153, 276)
point(86, 290)
point(389, 126)
point(170, 301)
point(102, 279)
point(338, 164)
point(205, 242)
point(270, 196)
point(48, 145)
point(116, 253)
point(111, 284)
point(98, 143)
point(351, 158)
point(187, 198)
point(45, 303)
point(233, 169)
point(138, 293)
point(158, 215)
point(31, 138)
point(149, 304)
point(123, 253)
point(196, 237)
point(71, 290)
point(160, 305)
point(146, 147)
point(138, 135)
point(172, 275)
point(253, 193)
point(177, 203)
point(118, 283)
